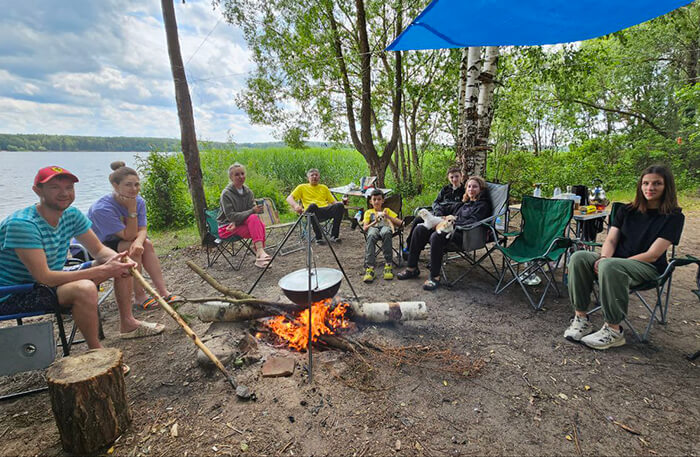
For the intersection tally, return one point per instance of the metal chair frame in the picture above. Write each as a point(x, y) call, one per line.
point(227, 248)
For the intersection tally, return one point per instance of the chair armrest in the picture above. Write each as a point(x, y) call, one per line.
point(560, 242)
point(509, 234)
point(15, 289)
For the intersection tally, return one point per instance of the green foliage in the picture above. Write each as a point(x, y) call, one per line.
point(617, 160)
point(164, 187)
point(271, 172)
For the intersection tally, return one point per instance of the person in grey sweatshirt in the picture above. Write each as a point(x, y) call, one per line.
point(238, 214)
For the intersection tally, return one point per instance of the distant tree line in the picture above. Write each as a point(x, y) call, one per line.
point(40, 142)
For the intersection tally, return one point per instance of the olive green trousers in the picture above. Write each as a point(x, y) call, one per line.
point(615, 277)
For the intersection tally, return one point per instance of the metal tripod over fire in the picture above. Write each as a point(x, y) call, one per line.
point(321, 283)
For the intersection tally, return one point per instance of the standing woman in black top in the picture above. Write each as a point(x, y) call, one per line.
point(634, 252)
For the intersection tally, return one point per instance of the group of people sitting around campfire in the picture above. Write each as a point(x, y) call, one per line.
point(34, 242)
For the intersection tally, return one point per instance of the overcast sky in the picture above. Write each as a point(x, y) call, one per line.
point(89, 67)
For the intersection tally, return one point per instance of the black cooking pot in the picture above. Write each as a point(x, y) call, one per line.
point(325, 283)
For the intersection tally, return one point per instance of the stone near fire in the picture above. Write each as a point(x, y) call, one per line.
point(221, 347)
point(247, 344)
point(276, 367)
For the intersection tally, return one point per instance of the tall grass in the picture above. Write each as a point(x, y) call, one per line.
point(272, 172)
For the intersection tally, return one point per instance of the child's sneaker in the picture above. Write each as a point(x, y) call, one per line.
point(580, 327)
point(369, 275)
point(388, 274)
point(604, 338)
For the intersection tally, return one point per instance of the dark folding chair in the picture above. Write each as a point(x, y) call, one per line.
point(661, 289)
point(228, 248)
point(394, 203)
point(540, 243)
point(477, 236)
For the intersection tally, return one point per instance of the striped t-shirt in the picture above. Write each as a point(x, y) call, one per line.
point(26, 229)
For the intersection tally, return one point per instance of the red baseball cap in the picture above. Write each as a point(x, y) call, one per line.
point(47, 173)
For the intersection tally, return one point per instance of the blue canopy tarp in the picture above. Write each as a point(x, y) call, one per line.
point(464, 23)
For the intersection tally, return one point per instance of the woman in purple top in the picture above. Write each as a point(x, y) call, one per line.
point(119, 221)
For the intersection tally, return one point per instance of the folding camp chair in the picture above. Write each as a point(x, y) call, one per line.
point(540, 242)
point(228, 248)
point(477, 235)
point(29, 347)
point(394, 203)
point(271, 219)
point(661, 286)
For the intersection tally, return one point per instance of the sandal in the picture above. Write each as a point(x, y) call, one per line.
point(408, 274)
point(144, 329)
point(262, 263)
point(431, 284)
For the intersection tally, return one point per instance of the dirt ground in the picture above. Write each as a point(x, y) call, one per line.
point(483, 375)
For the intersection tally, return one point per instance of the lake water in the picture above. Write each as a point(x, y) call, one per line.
point(92, 168)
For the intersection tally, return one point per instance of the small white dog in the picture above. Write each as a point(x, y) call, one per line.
point(381, 220)
point(447, 225)
point(429, 221)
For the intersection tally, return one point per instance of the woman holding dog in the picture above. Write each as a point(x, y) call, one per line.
point(474, 207)
point(238, 214)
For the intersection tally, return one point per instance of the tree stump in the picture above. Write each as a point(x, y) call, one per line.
point(88, 398)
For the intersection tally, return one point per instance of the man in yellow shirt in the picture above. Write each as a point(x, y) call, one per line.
point(317, 198)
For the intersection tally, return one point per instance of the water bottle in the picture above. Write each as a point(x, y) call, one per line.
point(557, 192)
point(499, 223)
point(538, 191)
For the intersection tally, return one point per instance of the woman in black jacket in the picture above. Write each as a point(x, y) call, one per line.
point(475, 206)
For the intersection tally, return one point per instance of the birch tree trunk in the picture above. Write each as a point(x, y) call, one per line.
point(485, 110)
point(467, 148)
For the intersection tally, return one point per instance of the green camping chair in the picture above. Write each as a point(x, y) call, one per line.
point(227, 248)
point(541, 242)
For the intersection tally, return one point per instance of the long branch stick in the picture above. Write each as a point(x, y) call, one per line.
point(147, 287)
point(216, 284)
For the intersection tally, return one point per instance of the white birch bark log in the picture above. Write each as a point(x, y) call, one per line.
point(390, 311)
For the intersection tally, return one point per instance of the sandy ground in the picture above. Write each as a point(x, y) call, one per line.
point(483, 375)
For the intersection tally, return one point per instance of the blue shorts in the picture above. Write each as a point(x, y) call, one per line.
point(40, 298)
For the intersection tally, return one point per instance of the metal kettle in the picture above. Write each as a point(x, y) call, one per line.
point(597, 194)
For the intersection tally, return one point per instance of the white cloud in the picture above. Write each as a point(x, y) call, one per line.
point(105, 71)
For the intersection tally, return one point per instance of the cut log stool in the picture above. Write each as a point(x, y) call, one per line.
point(88, 398)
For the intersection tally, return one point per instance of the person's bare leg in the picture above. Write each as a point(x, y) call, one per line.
point(152, 265)
point(139, 294)
point(81, 298)
point(122, 295)
point(260, 250)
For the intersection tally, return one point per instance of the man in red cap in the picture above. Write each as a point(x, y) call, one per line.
point(34, 243)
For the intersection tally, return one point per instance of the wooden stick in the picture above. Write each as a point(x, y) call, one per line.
point(215, 284)
point(147, 287)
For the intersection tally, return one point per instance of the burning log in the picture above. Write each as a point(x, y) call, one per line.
point(390, 311)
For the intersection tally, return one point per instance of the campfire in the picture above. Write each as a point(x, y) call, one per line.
point(327, 318)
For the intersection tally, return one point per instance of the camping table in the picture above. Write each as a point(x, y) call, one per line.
point(338, 192)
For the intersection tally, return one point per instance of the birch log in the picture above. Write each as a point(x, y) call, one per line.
point(220, 311)
point(390, 311)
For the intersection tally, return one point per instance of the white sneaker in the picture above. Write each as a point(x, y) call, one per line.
point(605, 338)
point(531, 280)
point(580, 327)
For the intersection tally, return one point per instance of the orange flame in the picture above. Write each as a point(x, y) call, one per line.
point(324, 321)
